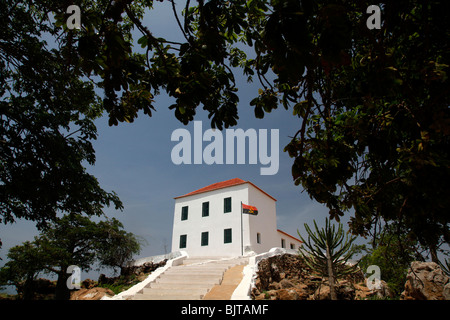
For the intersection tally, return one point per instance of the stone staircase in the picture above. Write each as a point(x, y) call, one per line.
point(189, 281)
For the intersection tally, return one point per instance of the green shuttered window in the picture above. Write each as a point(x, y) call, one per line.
point(227, 205)
point(227, 236)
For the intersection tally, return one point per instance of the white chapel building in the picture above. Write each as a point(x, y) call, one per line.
point(209, 221)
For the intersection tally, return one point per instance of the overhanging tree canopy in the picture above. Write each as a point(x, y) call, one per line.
point(46, 122)
point(373, 105)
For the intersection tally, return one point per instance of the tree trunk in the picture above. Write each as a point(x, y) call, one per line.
point(62, 291)
point(28, 288)
point(331, 275)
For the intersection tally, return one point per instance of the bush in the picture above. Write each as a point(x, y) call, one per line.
point(393, 254)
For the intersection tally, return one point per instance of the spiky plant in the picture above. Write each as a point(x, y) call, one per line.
point(445, 267)
point(326, 253)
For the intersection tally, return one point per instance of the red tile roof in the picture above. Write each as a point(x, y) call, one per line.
point(221, 185)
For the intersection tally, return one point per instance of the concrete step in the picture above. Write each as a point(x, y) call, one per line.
point(190, 281)
point(189, 276)
point(178, 291)
point(201, 265)
point(176, 285)
point(202, 260)
point(206, 258)
point(211, 280)
point(230, 261)
point(195, 272)
point(209, 265)
point(166, 297)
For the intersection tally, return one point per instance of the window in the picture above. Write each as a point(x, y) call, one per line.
point(227, 236)
point(292, 246)
point(283, 243)
point(184, 213)
point(205, 236)
point(205, 209)
point(226, 205)
point(183, 241)
point(258, 237)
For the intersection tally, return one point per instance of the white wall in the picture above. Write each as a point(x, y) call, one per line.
point(265, 223)
point(215, 223)
point(288, 240)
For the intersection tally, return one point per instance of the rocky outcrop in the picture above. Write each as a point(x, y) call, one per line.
point(91, 294)
point(287, 277)
point(143, 269)
point(426, 281)
point(88, 284)
point(446, 292)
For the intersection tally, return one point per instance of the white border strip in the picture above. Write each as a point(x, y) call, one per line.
point(243, 290)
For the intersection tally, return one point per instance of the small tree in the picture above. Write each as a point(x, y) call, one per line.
point(326, 254)
point(25, 263)
point(117, 246)
point(70, 240)
point(393, 251)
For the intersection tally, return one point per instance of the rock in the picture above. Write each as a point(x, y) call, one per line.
point(255, 291)
point(322, 293)
point(291, 294)
point(271, 294)
point(362, 292)
point(384, 291)
point(278, 268)
point(287, 277)
point(88, 284)
point(314, 278)
point(260, 296)
point(287, 294)
point(425, 281)
point(275, 273)
point(274, 286)
point(446, 292)
point(285, 284)
point(346, 290)
point(145, 268)
point(91, 294)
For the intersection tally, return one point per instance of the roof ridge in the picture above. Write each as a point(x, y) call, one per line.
point(289, 235)
point(221, 185)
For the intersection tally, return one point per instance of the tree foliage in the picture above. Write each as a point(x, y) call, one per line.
point(117, 246)
point(373, 112)
point(393, 252)
point(47, 110)
point(70, 240)
point(327, 254)
point(24, 265)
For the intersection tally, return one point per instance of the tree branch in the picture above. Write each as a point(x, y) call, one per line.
point(178, 20)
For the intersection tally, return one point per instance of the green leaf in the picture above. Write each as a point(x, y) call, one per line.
point(143, 41)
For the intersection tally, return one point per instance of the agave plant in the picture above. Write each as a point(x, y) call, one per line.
point(445, 267)
point(326, 253)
